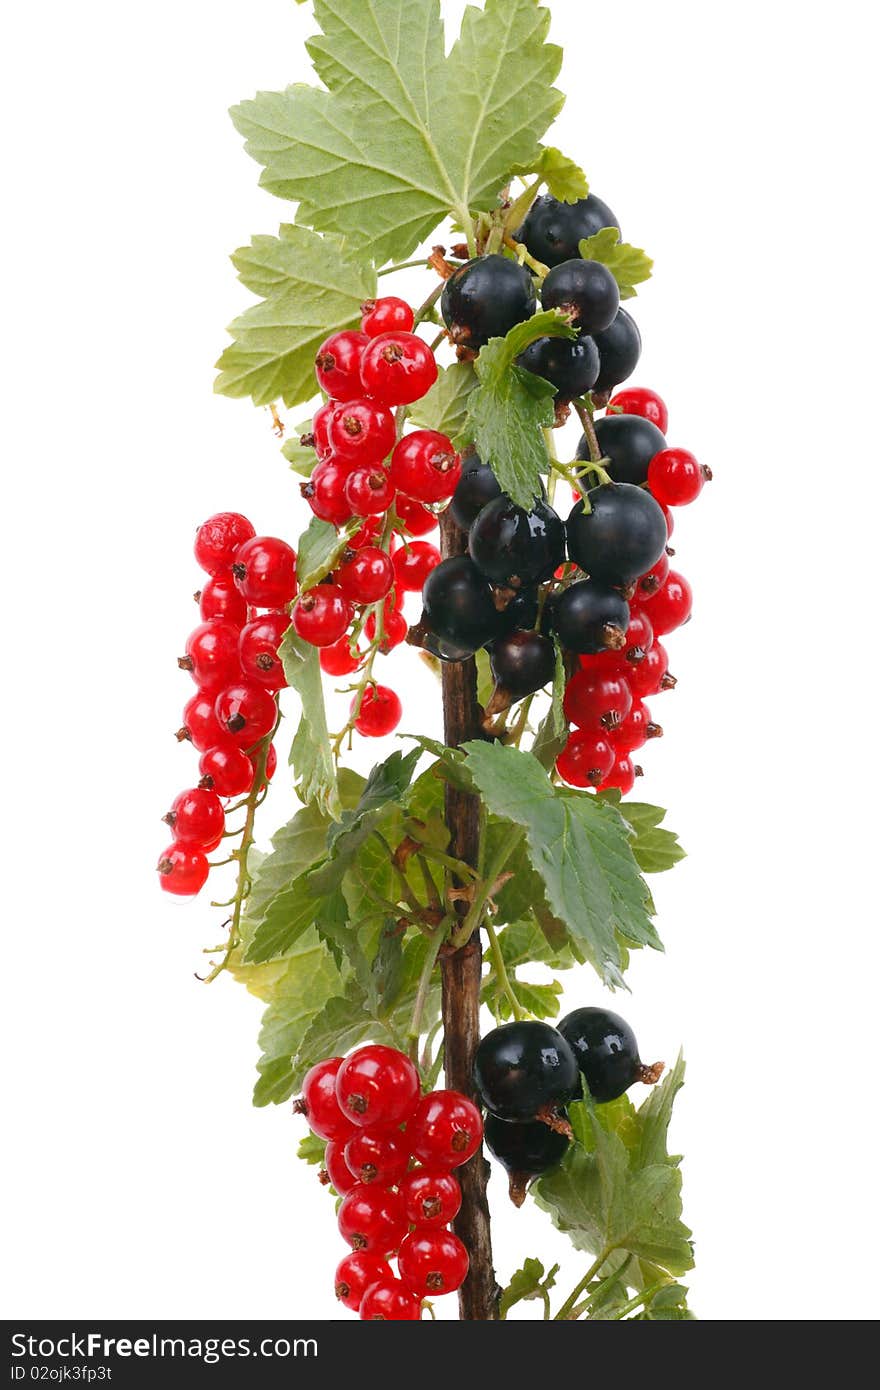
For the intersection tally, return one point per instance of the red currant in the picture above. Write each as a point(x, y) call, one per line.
point(670, 518)
point(432, 1262)
point(325, 492)
point(247, 712)
point(196, 817)
point(338, 660)
point(586, 759)
point(322, 615)
point(361, 432)
point(265, 571)
point(336, 1168)
point(319, 1104)
point(652, 675)
point(672, 606)
point(356, 1273)
point(258, 650)
point(394, 629)
point(200, 722)
point(652, 582)
point(380, 711)
point(183, 870)
point(389, 1301)
point(338, 365)
point(639, 638)
point(398, 368)
point(320, 427)
point(387, 315)
point(446, 1129)
point(227, 769)
point(377, 1085)
point(622, 776)
point(675, 478)
point(639, 400)
point(368, 534)
point(212, 655)
point(378, 1156)
point(371, 1218)
point(413, 563)
point(430, 1197)
point(218, 538)
point(594, 700)
point(369, 491)
point(417, 520)
point(634, 731)
point(220, 598)
point(425, 466)
point(365, 576)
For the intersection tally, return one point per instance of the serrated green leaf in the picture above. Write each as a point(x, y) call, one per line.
point(629, 265)
point(510, 407)
point(289, 915)
point(311, 1150)
point(310, 285)
point(295, 848)
point(307, 979)
point(565, 180)
point(451, 765)
point(319, 550)
point(310, 754)
point(384, 788)
point(405, 135)
point(301, 457)
point(655, 849)
point(444, 408)
point(528, 1282)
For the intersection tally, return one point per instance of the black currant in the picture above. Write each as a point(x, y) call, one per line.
point(526, 1071)
point(485, 298)
point(477, 486)
point(521, 611)
point(553, 231)
point(620, 348)
point(522, 662)
point(630, 442)
point(525, 1150)
point(590, 617)
point(607, 1053)
point(513, 547)
point(459, 606)
point(571, 367)
point(584, 290)
point(621, 537)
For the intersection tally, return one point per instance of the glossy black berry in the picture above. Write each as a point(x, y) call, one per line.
point(584, 290)
point(525, 1071)
point(477, 486)
point(553, 231)
point(522, 662)
point(620, 348)
point(630, 442)
point(525, 1150)
point(513, 547)
point(572, 368)
point(458, 604)
point(621, 537)
point(521, 611)
point(591, 617)
point(607, 1052)
point(485, 298)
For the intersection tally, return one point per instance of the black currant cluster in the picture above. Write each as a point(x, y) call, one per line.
point(527, 1073)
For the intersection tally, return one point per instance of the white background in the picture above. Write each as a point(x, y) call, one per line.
point(733, 143)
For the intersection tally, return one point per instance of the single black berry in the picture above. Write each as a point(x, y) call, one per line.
point(586, 291)
point(513, 547)
point(522, 662)
point(485, 298)
point(591, 617)
point(620, 348)
point(629, 442)
point(621, 537)
point(477, 486)
point(521, 611)
point(572, 368)
point(607, 1052)
point(525, 1150)
point(526, 1071)
point(459, 606)
point(553, 231)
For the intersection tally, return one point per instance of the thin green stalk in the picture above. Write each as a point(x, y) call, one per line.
point(421, 999)
point(571, 1302)
point(501, 971)
point(474, 918)
point(405, 265)
point(637, 1299)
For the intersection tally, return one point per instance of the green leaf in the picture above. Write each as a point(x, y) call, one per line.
point(451, 764)
point(528, 1282)
point(301, 457)
point(510, 407)
point(445, 406)
point(655, 849)
point(320, 549)
point(311, 1150)
point(310, 753)
point(565, 180)
point(296, 847)
point(628, 264)
point(485, 679)
point(404, 135)
point(385, 786)
point(309, 285)
point(289, 916)
point(668, 1304)
point(307, 979)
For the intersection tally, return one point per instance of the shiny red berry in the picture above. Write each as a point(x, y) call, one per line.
point(336, 1168)
point(258, 650)
point(361, 432)
point(639, 400)
point(319, 1104)
point(212, 655)
point(651, 583)
point(622, 776)
point(446, 1129)
point(338, 365)
point(398, 368)
point(218, 538)
point(380, 712)
point(371, 1218)
point(220, 597)
point(394, 628)
point(425, 466)
point(432, 1262)
point(377, 1085)
point(378, 1156)
point(368, 534)
point(431, 1197)
point(586, 759)
point(337, 660)
point(634, 731)
point(325, 492)
point(322, 615)
point(265, 572)
point(227, 769)
point(197, 817)
point(369, 491)
point(183, 870)
point(413, 563)
point(386, 315)
point(652, 675)
point(365, 576)
point(639, 638)
point(321, 426)
point(671, 607)
point(675, 478)
point(200, 725)
point(596, 700)
point(388, 1300)
point(356, 1273)
point(247, 712)
point(417, 520)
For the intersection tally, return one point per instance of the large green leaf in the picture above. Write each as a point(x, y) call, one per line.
point(404, 135)
point(444, 408)
point(310, 753)
point(308, 978)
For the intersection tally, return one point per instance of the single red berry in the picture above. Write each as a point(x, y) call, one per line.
point(651, 583)
point(672, 606)
point(388, 1300)
point(337, 660)
point(639, 400)
point(361, 432)
point(183, 870)
point(197, 818)
point(271, 765)
point(675, 478)
point(398, 368)
point(369, 491)
point(247, 712)
point(431, 1197)
point(265, 571)
point(258, 650)
point(336, 1168)
point(377, 1085)
point(622, 775)
point(386, 315)
point(371, 1218)
point(368, 534)
point(338, 365)
point(200, 725)
point(365, 576)
point(417, 520)
point(446, 1129)
point(322, 615)
point(394, 628)
point(227, 770)
point(378, 1156)
point(212, 655)
point(320, 428)
point(596, 700)
point(634, 731)
point(639, 638)
point(218, 538)
point(586, 759)
point(220, 598)
point(425, 466)
point(319, 1104)
point(325, 491)
point(356, 1273)
point(413, 563)
point(432, 1262)
point(380, 711)
point(652, 675)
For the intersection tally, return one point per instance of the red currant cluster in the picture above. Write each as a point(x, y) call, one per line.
point(365, 473)
point(233, 658)
point(605, 698)
point(390, 1155)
